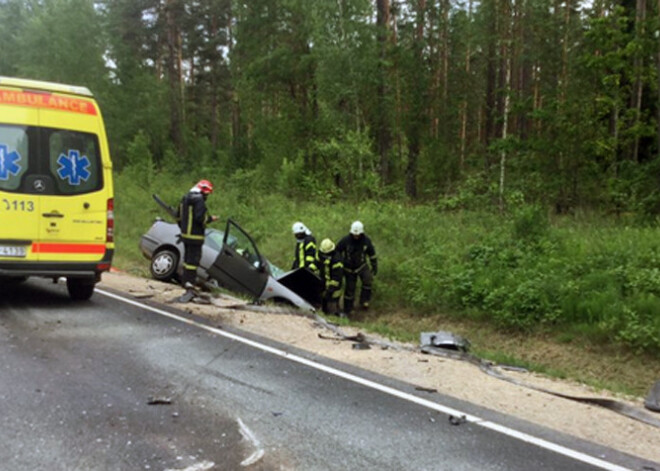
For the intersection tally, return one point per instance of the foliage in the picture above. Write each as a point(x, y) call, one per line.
point(356, 99)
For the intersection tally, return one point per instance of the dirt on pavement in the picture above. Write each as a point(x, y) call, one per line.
point(454, 378)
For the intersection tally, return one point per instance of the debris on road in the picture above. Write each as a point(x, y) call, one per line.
point(652, 401)
point(443, 339)
point(361, 346)
point(457, 420)
point(152, 401)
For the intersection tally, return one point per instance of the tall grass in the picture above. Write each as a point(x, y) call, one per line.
point(588, 280)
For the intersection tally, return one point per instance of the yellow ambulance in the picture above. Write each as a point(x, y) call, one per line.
point(56, 194)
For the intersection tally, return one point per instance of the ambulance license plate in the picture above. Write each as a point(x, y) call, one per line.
point(12, 251)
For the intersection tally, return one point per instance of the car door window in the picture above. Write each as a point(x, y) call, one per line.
point(242, 244)
point(239, 266)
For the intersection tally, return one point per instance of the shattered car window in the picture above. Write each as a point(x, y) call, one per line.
point(275, 270)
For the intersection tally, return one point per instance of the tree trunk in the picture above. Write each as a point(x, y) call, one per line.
point(444, 104)
point(506, 57)
point(640, 17)
point(416, 119)
point(489, 113)
point(383, 133)
point(658, 98)
point(464, 104)
point(174, 74)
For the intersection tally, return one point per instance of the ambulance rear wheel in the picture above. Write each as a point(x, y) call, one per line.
point(164, 264)
point(12, 279)
point(80, 289)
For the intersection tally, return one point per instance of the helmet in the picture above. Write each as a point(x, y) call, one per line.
point(327, 246)
point(298, 228)
point(357, 228)
point(205, 186)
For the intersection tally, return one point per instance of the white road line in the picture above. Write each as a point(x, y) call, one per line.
point(562, 450)
point(203, 466)
point(249, 436)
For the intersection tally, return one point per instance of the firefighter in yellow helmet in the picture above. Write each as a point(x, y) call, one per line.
point(332, 273)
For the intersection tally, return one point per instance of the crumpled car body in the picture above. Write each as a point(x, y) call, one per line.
point(230, 259)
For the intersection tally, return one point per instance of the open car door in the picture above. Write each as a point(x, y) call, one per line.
point(239, 266)
point(305, 284)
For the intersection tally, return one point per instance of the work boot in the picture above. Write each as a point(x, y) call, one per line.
point(187, 296)
point(348, 306)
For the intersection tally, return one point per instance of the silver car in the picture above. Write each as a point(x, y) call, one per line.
point(230, 259)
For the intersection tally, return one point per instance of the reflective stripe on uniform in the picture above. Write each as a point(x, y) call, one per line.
point(356, 270)
point(190, 220)
point(192, 236)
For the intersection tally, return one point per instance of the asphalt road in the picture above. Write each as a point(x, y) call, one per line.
point(108, 385)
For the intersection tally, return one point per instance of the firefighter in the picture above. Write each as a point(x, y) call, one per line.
point(359, 256)
point(193, 216)
point(305, 254)
point(332, 272)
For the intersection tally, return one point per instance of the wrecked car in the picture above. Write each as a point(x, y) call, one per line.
point(231, 260)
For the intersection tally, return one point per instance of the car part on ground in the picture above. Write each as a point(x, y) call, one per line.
point(652, 401)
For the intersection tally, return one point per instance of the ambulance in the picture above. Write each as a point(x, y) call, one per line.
point(56, 194)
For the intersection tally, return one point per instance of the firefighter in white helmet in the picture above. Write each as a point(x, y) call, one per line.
point(359, 257)
point(305, 254)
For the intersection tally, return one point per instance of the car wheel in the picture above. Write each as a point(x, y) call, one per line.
point(163, 265)
point(80, 289)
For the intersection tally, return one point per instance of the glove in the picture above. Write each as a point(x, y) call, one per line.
point(374, 270)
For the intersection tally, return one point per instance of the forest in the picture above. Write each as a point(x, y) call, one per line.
point(461, 103)
point(503, 154)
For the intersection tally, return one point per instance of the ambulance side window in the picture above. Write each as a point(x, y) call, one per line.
point(75, 162)
point(13, 156)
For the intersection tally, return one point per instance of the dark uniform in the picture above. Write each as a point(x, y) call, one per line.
point(193, 218)
point(306, 254)
point(355, 251)
point(332, 272)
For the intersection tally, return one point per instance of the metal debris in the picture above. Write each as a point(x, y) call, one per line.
point(443, 339)
point(457, 420)
point(361, 346)
point(652, 401)
point(153, 400)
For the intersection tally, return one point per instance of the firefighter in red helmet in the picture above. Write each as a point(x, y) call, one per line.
point(192, 217)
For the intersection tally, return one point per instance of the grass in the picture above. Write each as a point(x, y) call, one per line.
point(571, 297)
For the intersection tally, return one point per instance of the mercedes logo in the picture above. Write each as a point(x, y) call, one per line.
point(39, 185)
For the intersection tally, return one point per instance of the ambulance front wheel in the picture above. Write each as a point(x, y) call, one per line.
point(80, 289)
